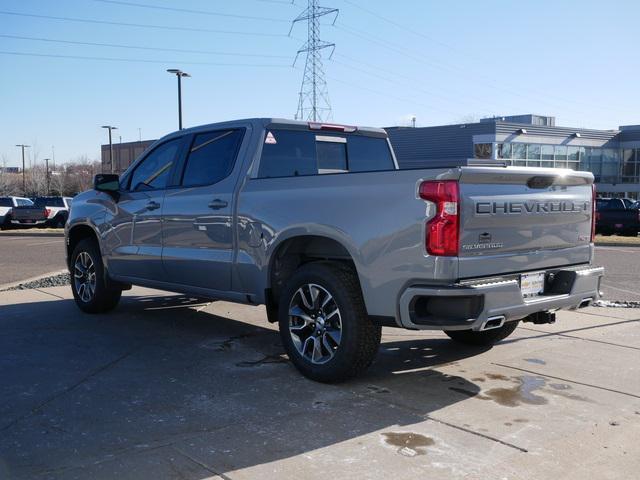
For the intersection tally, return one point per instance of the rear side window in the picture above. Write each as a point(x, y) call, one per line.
point(211, 157)
point(24, 202)
point(153, 172)
point(287, 154)
point(290, 153)
point(5, 202)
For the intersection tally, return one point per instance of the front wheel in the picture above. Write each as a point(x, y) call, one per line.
point(324, 324)
point(92, 290)
point(487, 337)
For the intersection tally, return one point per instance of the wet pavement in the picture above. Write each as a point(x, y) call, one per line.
point(169, 387)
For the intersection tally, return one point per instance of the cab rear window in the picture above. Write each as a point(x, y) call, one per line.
point(292, 153)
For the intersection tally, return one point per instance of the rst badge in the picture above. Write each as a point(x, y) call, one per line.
point(484, 243)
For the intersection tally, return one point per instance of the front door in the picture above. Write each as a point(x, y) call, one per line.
point(134, 237)
point(197, 229)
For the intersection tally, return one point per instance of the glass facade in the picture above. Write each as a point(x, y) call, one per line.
point(608, 165)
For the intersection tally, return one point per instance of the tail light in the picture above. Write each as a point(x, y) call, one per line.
point(594, 215)
point(443, 230)
point(47, 212)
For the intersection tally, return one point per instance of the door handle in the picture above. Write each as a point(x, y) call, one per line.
point(217, 204)
point(153, 205)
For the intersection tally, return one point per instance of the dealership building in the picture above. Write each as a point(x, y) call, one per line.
point(613, 156)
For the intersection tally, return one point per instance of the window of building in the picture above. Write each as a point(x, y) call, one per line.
point(519, 151)
point(504, 150)
point(483, 150)
point(153, 172)
point(211, 157)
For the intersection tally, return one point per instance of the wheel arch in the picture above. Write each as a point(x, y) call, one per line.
point(76, 234)
point(298, 249)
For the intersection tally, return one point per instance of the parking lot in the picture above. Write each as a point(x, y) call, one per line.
point(167, 387)
point(172, 387)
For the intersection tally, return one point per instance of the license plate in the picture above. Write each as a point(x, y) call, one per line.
point(532, 284)
point(30, 221)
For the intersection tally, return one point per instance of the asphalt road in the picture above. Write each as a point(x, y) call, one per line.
point(622, 277)
point(26, 255)
point(29, 255)
point(165, 387)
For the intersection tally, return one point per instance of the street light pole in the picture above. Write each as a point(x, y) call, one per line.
point(179, 74)
point(110, 128)
point(24, 183)
point(46, 163)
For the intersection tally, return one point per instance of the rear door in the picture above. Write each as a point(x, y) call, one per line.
point(518, 219)
point(198, 213)
point(134, 239)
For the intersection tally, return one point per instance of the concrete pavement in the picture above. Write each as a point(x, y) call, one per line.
point(167, 387)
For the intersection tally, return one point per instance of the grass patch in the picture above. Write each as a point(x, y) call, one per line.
point(617, 240)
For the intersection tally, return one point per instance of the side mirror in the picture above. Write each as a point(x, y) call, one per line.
point(106, 182)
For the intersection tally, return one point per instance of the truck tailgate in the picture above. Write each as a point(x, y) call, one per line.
point(516, 219)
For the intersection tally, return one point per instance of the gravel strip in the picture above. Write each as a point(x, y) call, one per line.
point(616, 304)
point(59, 280)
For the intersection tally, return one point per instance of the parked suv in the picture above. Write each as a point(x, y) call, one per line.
point(316, 222)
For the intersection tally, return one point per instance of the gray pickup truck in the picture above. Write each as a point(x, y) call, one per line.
point(316, 222)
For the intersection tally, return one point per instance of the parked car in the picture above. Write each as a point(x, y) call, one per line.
point(614, 215)
point(316, 222)
point(57, 207)
point(29, 216)
point(7, 208)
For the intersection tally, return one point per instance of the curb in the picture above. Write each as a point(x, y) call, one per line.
point(617, 244)
point(6, 286)
point(31, 233)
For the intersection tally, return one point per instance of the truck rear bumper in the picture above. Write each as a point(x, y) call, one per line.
point(484, 303)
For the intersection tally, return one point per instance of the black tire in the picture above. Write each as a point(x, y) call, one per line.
point(6, 225)
point(59, 221)
point(359, 337)
point(106, 295)
point(488, 337)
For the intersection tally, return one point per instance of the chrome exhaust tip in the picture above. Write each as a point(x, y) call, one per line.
point(492, 322)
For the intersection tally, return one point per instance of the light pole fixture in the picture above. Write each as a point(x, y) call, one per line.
point(24, 184)
point(47, 174)
point(110, 128)
point(179, 74)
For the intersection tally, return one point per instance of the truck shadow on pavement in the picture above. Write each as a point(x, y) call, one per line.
point(159, 386)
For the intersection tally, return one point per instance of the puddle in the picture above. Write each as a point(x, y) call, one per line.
point(497, 376)
point(519, 394)
point(535, 360)
point(408, 444)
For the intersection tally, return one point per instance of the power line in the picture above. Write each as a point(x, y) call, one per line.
point(404, 28)
point(313, 99)
point(141, 60)
point(143, 25)
point(138, 47)
point(188, 10)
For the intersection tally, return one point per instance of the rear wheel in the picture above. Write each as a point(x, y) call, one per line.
point(92, 290)
point(324, 324)
point(488, 337)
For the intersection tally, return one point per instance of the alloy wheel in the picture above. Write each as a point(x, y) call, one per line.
point(315, 323)
point(84, 277)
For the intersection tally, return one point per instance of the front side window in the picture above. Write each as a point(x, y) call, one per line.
point(153, 172)
point(211, 157)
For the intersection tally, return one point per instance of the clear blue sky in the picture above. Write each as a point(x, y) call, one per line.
point(443, 61)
